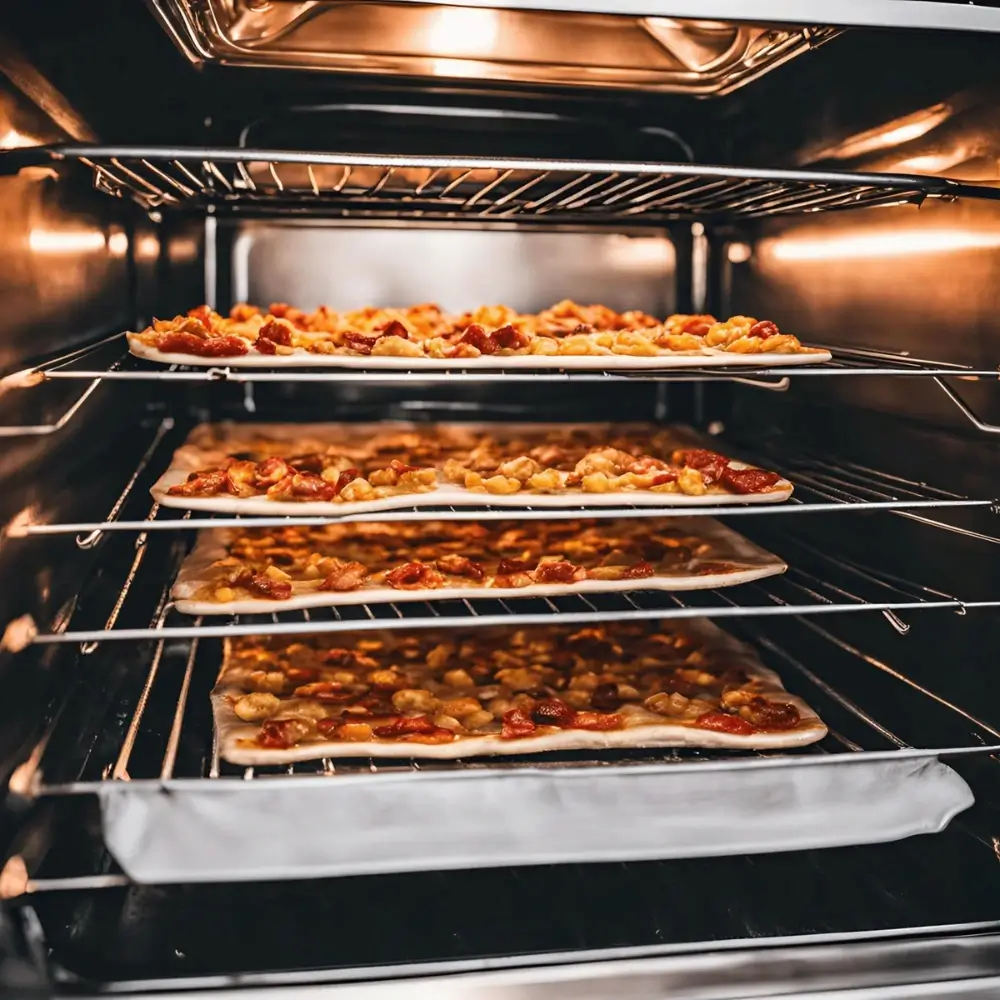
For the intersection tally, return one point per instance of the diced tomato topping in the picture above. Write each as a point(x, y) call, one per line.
point(555, 572)
point(227, 346)
point(698, 325)
point(605, 698)
point(664, 477)
point(773, 714)
point(709, 463)
point(276, 734)
point(516, 725)
point(413, 576)
point(504, 338)
point(509, 567)
point(748, 480)
point(552, 712)
point(401, 467)
point(307, 486)
point(203, 314)
point(347, 476)
point(721, 722)
point(395, 329)
point(413, 728)
point(203, 483)
point(764, 329)
point(638, 572)
point(264, 586)
point(307, 463)
point(359, 343)
point(348, 576)
point(458, 565)
point(271, 334)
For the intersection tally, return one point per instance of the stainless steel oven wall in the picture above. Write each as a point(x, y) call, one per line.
point(349, 268)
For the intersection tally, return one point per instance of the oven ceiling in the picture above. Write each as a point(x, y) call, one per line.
point(667, 55)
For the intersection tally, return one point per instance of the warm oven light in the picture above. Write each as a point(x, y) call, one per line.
point(927, 241)
point(118, 244)
point(12, 139)
point(147, 248)
point(66, 240)
point(739, 253)
point(639, 253)
point(461, 31)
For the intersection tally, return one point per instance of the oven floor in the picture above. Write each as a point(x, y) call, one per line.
point(355, 927)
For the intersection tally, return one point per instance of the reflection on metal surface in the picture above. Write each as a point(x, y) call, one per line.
point(957, 137)
point(12, 139)
point(894, 133)
point(604, 50)
point(353, 268)
point(66, 241)
point(879, 244)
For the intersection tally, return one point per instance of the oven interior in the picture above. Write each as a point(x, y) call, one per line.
point(148, 207)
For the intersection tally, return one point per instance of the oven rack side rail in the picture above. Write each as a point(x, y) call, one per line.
point(481, 190)
point(102, 362)
point(822, 485)
point(832, 585)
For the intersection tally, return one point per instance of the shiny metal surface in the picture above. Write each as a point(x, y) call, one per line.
point(937, 14)
point(598, 49)
point(481, 190)
point(355, 268)
point(965, 967)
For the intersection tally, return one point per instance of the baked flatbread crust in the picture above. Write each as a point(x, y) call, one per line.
point(237, 739)
point(200, 577)
point(707, 357)
point(209, 445)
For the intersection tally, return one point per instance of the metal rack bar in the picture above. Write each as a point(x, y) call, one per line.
point(822, 487)
point(847, 362)
point(763, 599)
point(518, 189)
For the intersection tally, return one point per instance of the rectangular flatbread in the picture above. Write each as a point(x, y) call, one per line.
point(352, 468)
point(425, 338)
point(453, 693)
point(250, 571)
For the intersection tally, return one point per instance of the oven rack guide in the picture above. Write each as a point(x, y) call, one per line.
point(108, 360)
point(477, 190)
point(821, 486)
point(838, 586)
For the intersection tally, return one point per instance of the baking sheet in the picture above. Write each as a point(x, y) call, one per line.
point(232, 732)
point(199, 830)
point(189, 458)
point(731, 547)
point(708, 357)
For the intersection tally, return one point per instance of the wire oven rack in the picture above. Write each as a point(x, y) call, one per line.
point(821, 486)
point(166, 735)
point(108, 360)
point(480, 190)
point(833, 585)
